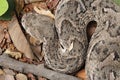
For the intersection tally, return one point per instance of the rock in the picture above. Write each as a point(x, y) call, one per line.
point(21, 77)
point(9, 77)
point(9, 72)
point(2, 77)
point(1, 72)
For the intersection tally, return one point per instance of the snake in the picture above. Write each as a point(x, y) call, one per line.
point(103, 54)
point(65, 43)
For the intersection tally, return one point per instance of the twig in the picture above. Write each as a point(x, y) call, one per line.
point(38, 70)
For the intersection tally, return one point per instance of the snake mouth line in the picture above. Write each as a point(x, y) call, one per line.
point(91, 26)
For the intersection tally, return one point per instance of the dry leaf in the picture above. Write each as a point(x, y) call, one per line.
point(81, 74)
point(19, 39)
point(44, 12)
point(21, 77)
point(27, 8)
point(40, 4)
point(26, 60)
point(16, 55)
point(3, 45)
point(11, 47)
point(34, 41)
point(19, 6)
point(31, 76)
point(31, 1)
point(40, 78)
point(4, 35)
point(52, 3)
point(1, 34)
point(7, 36)
point(23, 60)
point(30, 7)
point(3, 24)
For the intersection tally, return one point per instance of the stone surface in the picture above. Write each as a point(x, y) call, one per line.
point(21, 77)
point(9, 72)
point(9, 77)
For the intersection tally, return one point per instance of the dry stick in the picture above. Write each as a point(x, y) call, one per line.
point(38, 70)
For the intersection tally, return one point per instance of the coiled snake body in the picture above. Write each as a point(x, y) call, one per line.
point(65, 40)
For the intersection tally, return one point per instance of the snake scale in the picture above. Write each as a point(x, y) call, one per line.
point(65, 43)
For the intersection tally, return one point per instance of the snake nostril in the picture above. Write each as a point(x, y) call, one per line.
point(91, 26)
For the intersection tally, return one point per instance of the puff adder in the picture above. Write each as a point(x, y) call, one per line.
point(64, 39)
